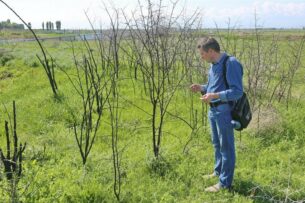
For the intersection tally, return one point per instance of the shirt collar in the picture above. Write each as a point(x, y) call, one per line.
point(221, 58)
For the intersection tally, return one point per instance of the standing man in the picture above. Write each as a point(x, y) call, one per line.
point(220, 95)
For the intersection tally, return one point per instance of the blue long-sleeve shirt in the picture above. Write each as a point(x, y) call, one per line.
point(216, 82)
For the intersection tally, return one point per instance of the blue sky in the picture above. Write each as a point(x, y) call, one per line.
point(270, 13)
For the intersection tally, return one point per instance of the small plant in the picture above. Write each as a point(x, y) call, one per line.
point(159, 166)
point(12, 162)
point(92, 85)
point(5, 57)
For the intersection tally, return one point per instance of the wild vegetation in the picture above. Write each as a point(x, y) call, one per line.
point(123, 125)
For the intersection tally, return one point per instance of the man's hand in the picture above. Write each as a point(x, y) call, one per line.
point(196, 87)
point(208, 97)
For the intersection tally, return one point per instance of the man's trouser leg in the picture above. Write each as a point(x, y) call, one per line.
point(216, 144)
point(223, 142)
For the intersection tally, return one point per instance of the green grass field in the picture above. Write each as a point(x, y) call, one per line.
point(269, 168)
point(7, 34)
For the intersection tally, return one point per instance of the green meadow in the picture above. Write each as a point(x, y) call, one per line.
point(270, 152)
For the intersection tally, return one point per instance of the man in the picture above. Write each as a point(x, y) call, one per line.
point(220, 97)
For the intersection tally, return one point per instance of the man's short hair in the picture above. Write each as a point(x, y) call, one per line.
point(207, 43)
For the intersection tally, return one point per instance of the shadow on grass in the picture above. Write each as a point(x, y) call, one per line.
point(251, 190)
point(59, 98)
point(260, 194)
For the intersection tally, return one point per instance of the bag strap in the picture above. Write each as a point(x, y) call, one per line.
point(225, 75)
point(225, 71)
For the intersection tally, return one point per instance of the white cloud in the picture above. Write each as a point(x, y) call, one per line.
point(269, 11)
point(265, 8)
point(287, 9)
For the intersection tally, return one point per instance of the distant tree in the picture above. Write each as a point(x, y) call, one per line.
point(29, 24)
point(43, 25)
point(9, 25)
point(6, 24)
point(52, 26)
point(58, 25)
point(48, 25)
point(17, 26)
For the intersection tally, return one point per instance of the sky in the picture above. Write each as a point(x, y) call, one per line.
point(236, 13)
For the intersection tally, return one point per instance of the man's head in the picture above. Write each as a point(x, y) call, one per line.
point(209, 49)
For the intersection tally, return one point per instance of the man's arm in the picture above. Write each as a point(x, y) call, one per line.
point(199, 88)
point(234, 79)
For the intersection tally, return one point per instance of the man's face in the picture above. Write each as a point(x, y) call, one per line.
point(206, 55)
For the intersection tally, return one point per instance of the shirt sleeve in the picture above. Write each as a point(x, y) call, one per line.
point(204, 88)
point(234, 79)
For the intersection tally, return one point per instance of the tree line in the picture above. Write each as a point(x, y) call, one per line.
point(50, 25)
point(10, 25)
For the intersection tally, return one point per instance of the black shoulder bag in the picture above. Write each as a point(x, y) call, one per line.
point(241, 111)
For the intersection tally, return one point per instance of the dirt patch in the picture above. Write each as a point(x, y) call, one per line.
point(268, 117)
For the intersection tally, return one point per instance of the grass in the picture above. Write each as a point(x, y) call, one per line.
point(6, 34)
point(269, 163)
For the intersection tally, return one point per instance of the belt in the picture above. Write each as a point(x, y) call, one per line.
point(215, 104)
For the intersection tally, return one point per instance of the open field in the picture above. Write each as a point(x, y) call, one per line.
point(270, 159)
point(7, 34)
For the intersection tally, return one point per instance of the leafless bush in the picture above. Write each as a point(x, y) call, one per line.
point(269, 69)
point(115, 38)
point(92, 83)
point(157, 35)
point(12, 162)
